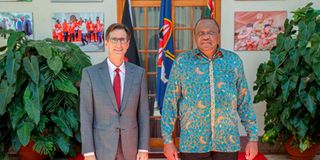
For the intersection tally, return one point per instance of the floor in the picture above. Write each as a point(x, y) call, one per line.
point(269, 157)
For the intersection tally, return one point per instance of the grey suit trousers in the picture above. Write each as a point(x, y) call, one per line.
point(119, 155)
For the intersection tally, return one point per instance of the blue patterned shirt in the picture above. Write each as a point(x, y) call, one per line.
point(210, 95)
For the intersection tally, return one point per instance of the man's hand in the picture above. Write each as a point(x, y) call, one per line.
point(142, 156)
point(93, 157)
point(251, 150)
point(170, 151)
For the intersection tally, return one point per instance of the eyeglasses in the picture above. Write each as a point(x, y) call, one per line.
point(115, 40)
point(210, 34)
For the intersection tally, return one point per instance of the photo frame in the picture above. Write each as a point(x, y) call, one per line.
point(258, 0)
point(257, 30)
point(18, 21)
point(85, 29)
point(15, 0)
point(74, 1)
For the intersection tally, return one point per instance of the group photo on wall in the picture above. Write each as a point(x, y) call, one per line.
point(18, 21)
point(84, 29)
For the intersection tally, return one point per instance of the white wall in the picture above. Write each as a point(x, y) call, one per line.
point(42, 10)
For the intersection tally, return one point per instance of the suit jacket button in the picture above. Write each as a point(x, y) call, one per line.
point(120, 114)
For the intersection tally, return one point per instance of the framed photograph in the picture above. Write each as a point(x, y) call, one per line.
point(70, 1)
point(257, 30)
point(85, 29)
point(258, 0)
point(15, 0)
point(18, 21)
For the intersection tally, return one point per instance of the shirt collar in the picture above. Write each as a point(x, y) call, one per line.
point(112, 67)
point(218, 54)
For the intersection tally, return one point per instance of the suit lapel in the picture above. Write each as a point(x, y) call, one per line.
point(129, 78)
point(104, 74)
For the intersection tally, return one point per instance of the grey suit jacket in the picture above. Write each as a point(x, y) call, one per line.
point(100, 118)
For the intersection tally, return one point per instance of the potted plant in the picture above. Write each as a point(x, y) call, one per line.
point(38, 93)
point(289, 83)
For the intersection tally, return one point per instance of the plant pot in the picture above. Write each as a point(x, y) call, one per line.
point(27, 153)
point(295, 154)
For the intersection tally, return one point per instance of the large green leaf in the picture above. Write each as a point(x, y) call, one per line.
point(286, 90)
point(24, 132)
point(261, 94)
point(261, 73)
point(289, 43)
point(55, 64)
point(66, 86)
point(280, 43)
point(31, 66)
point(42, 123)
point(22, 78)
point(288, 86)
point(296, 102)
point(32, 101)
point(13, 38)
point(309, 102)
point(304, 145)
point(294, 58)
point(287, 27)
point(15, 142)
point(12, 66)
point(301, 126)
point(315, 49)
point(63, 143)
point(270, 134)
point(2, 65)
point(305, 32)
point(78, 136)
point(16, 113)
point(306, 56)
point(61, 121)
point(72, 118)
point(272, 77)
point(285, 116)
point(43, 48)
point(6, 94)
point(278, 58)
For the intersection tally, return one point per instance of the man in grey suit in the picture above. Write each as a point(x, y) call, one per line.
point(114, 109)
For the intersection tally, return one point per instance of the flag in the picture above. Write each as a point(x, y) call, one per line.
point(210, 10)
point(132, 52)
point(165, 52)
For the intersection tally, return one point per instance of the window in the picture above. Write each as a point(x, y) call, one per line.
point(145, 15)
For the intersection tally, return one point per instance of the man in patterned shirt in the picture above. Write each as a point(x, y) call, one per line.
point(209, 87)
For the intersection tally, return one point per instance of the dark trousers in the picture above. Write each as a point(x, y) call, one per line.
point(65, 36)
point(210, 156)
point(83, 39)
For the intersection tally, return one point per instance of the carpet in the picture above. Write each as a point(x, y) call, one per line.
point(260, 156)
